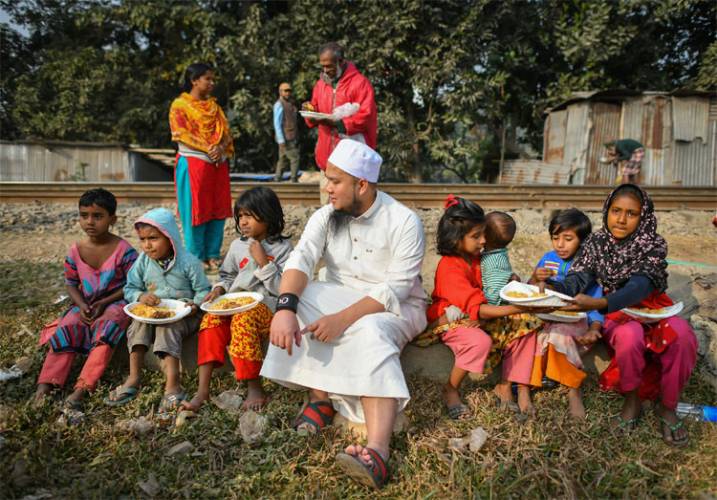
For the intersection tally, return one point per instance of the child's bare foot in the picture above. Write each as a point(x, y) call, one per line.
point(631, 408)
point(575, 404)
point(41, 394)
point(504, 394)
point(256, 398)
point(524, 402)
point(76, 397)
point(196, 402)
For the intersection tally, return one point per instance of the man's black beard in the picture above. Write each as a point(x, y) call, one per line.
point(342, 217)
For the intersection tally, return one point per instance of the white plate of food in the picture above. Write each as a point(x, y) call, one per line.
point(168, 311)
point(653, 315)
point(563, 316)
point(524, 294)
point(315, 115)
point(232, 303)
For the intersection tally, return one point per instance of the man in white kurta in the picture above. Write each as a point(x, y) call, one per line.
point(345, 339)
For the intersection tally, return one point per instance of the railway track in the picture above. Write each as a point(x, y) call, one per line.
point(493, 196)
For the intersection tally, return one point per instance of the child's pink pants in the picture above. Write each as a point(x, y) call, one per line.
point(470, 346)
point(676, 361)
point(57, 367)
point(518, 359)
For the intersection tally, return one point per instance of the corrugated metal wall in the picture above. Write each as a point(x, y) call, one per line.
point(689, 158)
point(605, 128)
point(534, 172)
point(38, 162)
point(554, 137)
point(694, 160)
point(577, 138)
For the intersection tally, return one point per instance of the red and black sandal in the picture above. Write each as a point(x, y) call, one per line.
point(374, 475)
point(317, 415)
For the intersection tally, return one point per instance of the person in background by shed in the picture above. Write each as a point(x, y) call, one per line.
point(626, 155)
point(285, 130)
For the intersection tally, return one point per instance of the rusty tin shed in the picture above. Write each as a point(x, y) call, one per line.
point(678, 130)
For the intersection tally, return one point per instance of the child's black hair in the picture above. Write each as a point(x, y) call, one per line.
point(571, 218)
point(194, 72)
point(456, 222)
point(629, 190)
point(499, 230)
point(101, 198)
point(263, 203)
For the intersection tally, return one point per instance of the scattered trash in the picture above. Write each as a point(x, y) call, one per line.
point(38, 495)
point(70, 417)
point(251, 426)
point(150, 486)
point(697, 412)
point(183, 416)
point(458, 444)
point(478, 438)
point(21, 367)
point(165, 419)
point(474, 442)
point(60, 299)
point(228, 401)
point(138, 426)
point(10, 373)
point(180, 449)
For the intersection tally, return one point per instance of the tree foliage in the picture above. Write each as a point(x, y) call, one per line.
point(450, 77)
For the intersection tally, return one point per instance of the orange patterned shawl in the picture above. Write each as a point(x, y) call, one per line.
point(199, 124)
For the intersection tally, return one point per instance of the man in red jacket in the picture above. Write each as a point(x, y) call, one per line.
point(340, 83)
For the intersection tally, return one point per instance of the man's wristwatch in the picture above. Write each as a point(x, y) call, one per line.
point(287, 301)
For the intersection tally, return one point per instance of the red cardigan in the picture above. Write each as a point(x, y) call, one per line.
point(352, 87)
point(459, 284)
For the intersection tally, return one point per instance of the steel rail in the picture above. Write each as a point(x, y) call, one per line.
point(493, 196)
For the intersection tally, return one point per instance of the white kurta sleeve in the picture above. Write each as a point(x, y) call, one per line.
point(311, 246)
point(404, 267)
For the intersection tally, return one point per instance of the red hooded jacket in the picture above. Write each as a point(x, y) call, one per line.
point(352, 87)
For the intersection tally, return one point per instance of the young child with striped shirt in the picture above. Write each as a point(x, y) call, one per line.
point(494, 262)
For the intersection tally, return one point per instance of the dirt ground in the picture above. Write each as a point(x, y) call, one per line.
point(550, 456)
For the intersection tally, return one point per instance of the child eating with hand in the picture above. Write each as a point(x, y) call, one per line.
point(557, 354)
point(164, 270)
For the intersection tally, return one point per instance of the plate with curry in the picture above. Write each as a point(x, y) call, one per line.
point(167, 311)
point(232, 303)
point(646, 315)
point(524, 294)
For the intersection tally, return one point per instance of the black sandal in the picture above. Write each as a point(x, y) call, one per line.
point(374, 475)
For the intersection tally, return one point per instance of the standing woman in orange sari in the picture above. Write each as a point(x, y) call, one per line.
point(201, 176)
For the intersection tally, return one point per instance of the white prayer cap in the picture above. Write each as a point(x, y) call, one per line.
point(357, 159)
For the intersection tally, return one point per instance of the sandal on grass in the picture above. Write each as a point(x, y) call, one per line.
point(171, 402)
point(121, 396)
point(73, 404)
point(374, 475)
point(315, 416)
point(624, 425)
point(459, 412)
point(507, 405)
point(673, 428)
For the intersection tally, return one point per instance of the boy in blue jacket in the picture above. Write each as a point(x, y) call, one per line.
point(164, 270)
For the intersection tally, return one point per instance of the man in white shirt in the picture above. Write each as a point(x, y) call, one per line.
point(358, 320)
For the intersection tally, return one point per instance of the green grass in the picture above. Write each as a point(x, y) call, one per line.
point(547, 457)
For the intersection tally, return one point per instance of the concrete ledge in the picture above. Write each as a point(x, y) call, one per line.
point(433, 362)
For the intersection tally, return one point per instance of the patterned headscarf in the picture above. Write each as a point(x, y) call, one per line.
point(199, 124)
point(613, 261)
